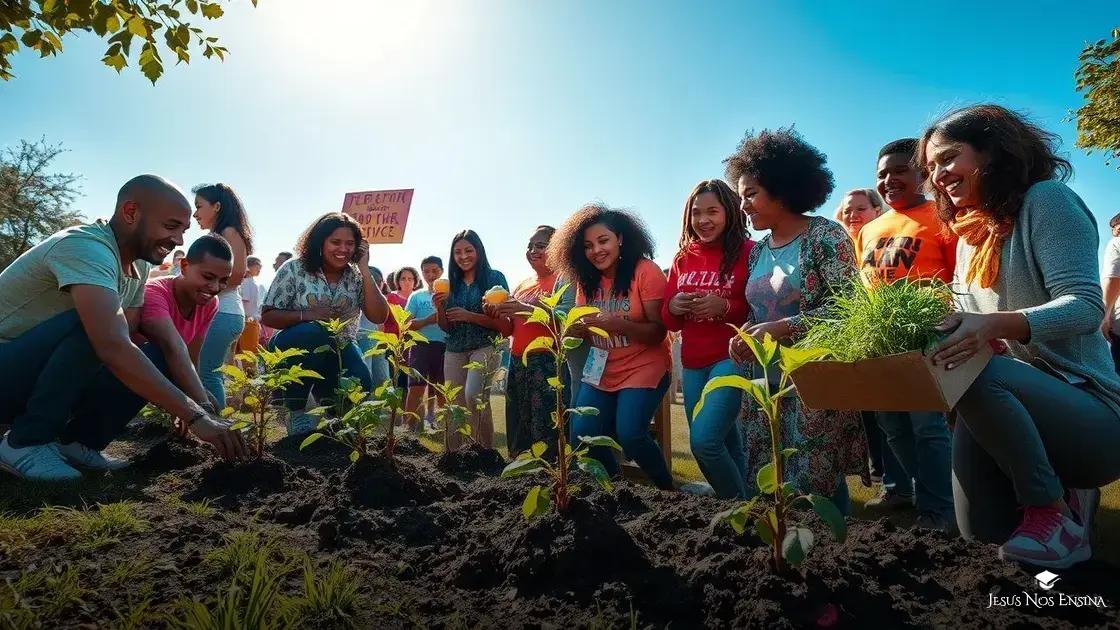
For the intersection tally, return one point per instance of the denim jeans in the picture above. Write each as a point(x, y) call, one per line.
point(379, 365)
point(715, 435)
point(1023, 437)
point(920, 440)
point(624, 414)
point(57, 389)
point(309, 336)
point(224, 330)
point(883, 461)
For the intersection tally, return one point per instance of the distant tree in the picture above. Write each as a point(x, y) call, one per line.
point(41, 24)
point(1098, 77)
point(34, 202)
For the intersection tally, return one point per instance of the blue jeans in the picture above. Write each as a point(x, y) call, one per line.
point(716, 435)
point(626, 415)
point(921, 442)
point(378, 366)
point(309, 336)
point(224, 330)
point(56, 389)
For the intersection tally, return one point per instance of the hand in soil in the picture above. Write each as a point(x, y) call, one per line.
point(215, 431)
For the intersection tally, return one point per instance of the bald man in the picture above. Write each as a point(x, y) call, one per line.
point(67, 309)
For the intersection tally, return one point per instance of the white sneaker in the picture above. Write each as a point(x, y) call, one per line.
point(41, 462)
point(81, 455)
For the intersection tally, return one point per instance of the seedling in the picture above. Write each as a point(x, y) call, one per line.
point(266, 377)
point(349, 389)
point(558, 342)
point(490, 373)
point(790, 544)
point(157, 416)
point(450, 417)
point(357, 426)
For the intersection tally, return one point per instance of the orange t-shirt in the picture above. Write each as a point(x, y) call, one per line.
point(907, 243)
point(631, 364)
point(529, 291)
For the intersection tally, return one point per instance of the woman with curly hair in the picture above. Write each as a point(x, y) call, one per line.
point(218, 209)
point(470, 331)
point(1038, 431)
point(705, 292)
point(792, 274)
point(609, 255)
point(328, 279)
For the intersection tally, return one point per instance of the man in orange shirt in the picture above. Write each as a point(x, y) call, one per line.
point(909, 242)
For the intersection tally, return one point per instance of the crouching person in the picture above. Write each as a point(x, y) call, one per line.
point(67, 309)
point(329, 279)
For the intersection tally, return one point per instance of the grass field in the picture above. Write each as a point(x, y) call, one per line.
point(1106, 534)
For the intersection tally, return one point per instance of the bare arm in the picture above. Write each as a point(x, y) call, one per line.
point(100, 312)
point(194, 349)
point(650, 332)
point(374, 306)
point(180, 362)
point(237, 244)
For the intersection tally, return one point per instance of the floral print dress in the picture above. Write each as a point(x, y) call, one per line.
point(831, 444)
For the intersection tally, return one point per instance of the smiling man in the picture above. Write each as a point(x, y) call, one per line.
point(908, 242)
point(67, 309)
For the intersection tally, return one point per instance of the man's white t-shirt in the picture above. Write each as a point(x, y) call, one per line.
point(1112, 270)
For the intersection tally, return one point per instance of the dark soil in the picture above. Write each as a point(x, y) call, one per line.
point(440, 542)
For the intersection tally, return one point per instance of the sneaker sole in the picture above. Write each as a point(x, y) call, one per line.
point(19, 475)
point(1078, 555)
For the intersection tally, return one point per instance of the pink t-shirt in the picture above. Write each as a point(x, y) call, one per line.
point(159, 303)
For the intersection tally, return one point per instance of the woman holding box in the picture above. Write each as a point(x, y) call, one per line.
point(1038, 432)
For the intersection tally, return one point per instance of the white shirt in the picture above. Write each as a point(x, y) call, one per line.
point(1112, 270)
point(251, 296)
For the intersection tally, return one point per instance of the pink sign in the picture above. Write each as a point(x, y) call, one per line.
point(383, 214)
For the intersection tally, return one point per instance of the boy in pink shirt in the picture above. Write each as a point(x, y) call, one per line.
point(173, 321)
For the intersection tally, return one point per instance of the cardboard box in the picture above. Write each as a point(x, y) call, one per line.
point(898, 382)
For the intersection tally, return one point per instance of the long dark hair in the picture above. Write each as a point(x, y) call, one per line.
point(481, 267)
point(231, 213)
point(1019, 154)
point(568, 257)
point(309, 248)
point(735, 233)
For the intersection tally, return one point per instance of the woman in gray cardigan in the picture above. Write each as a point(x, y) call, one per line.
point(1039, 430)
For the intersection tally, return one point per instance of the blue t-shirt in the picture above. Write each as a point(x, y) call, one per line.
point(421, 306)
point(464, 337)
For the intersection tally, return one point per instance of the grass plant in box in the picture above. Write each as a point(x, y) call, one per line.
point(874, 320)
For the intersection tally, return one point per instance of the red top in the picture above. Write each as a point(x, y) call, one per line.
point(529, 292)
point(390, 325)
point(696, 270)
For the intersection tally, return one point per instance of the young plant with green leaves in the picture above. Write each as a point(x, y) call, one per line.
point(490, 374)
point(349, 390)
point(451, 418)
point(357, 425)
point(790, 543)
point(559, 342)
point(873, 320)
point(265, 376)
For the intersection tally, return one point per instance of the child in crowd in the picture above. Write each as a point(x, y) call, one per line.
point(426, 359)
point(705, 293)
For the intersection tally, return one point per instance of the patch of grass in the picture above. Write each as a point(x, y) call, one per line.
point(252, 600)
point(885, 318)
point(137, 616)
point(330, 598)
point(242, 548)
point(40, 596)
point(88, 529)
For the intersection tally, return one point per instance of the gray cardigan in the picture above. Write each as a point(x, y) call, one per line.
point(1048, 272)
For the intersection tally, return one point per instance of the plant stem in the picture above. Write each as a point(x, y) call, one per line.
point(561, 489)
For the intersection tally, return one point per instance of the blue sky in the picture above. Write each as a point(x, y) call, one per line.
point(504, 115)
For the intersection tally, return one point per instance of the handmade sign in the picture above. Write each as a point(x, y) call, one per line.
point(383, 214)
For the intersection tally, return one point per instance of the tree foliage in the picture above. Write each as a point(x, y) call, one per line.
point(34, 202)
point(153, 25)
point(1098, 78)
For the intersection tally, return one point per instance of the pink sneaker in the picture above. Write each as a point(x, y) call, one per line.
point(1046, 538)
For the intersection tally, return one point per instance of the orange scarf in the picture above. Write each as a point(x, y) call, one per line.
point(986, 235)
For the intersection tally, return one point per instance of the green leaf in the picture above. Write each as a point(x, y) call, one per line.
point(322, 350)
point(793, 358)
point(354, 455)
point(31, 38)
point(595, 330)
point(601, 440)
point(150, 63)
point(738, 382)
point(539, 343)
point(786, 452)
point(473, 365)
point(764, 526)
point(797, 543)
point(767, 479)
point(536, 502)
point(739, 516)
point(555, 383)
point(583, 411)
point(571, 343)
point(539, 316)
point(593, 467)
point(769, 350)
point(579, 313)
point(830, 515)
point(309, 440)
point(519, 467)
point(138, 27)
point(538, 449)
point(240, 425)
point(212, 10)
point(192, 6)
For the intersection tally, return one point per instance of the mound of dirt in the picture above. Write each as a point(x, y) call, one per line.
point(471, 460)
